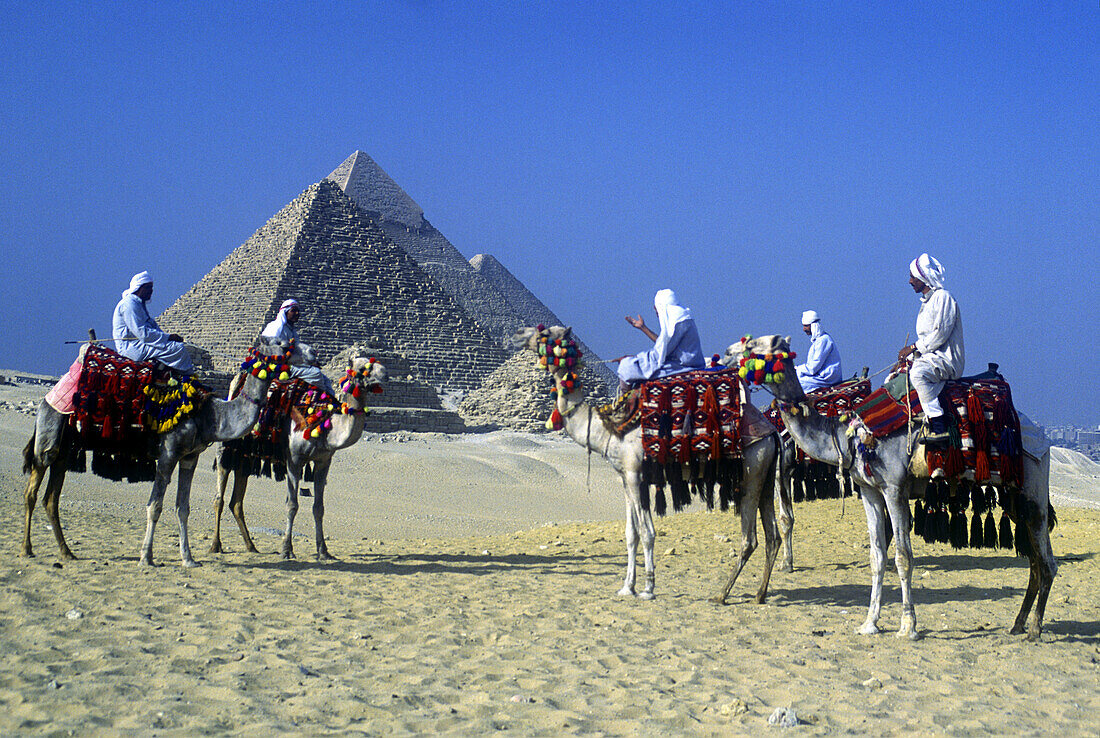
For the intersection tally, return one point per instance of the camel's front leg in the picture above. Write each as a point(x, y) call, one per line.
point(156, 504)
point(320, 477)
point(786, 506)
point(898, 505)
point(771, 539)
point(873, 505)
point(1043, 569)
point(293, 475)
point(632, 488)
point(183, 506)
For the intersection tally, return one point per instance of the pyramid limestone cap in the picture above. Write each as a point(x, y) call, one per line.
point(360, 177)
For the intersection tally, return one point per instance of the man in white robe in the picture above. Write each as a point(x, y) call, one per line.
point(283, 329)
point(138, 337)
point(822, 366)
point(938, 354)
point(676, 349)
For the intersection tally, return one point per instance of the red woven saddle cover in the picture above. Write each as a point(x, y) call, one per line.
point(291, 398)
point(109, 404)
point(988, 441)
point(692, 414)
point(829, 401)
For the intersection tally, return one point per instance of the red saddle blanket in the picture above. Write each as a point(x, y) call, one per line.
point(120, 406)
point(985, 428)
point(695, 414)
point(829, 401)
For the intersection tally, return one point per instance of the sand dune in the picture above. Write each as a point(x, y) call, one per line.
point(475, 592)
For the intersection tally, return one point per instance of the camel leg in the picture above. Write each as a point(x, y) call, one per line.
point(632, 486)
point(219, 502)
point(236, 506)
point(898, 505)
point(771, 533)
point(293, 475)
point(156, 504)
point(30, 498)
point(320, 477)
point(786, 507)
point(183, 506)
point(1043, 569)
point(748, 545)
point(53, 504)
point(876, 531)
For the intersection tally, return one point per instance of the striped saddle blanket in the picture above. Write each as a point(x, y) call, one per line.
point(695, 414)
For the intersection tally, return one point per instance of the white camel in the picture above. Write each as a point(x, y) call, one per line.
point(582, 423)
point(890, 484)
point(346, 430)
point(215, 420)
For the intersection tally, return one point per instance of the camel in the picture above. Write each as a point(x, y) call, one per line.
point(345, 431)
point(888, 488)
point(215, 420)
point(625, 454)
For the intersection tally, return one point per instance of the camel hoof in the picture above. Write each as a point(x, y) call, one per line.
point(27, 554)
point(911, 635)
point(326, 556)
point(68, 555)
point(252, 549)
point(717, 600)
point(761, 599)
point(216, 548)
point(626, 592)
point(1034, 635)
point(787, 568)
point(287, 555)
point(868, 629)
point(146, 561)
point(1017, 630)
point(647, 596)
point(191, 564)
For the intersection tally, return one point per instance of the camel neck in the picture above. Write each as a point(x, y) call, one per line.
point(583, 425)
point(821, 437)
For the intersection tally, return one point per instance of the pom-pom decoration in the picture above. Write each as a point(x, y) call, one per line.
point(766, 369)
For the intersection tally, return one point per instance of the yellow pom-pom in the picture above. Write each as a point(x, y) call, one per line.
point(172, 382)
point(316, 432)
point(778, 377)
point(283, 377)
point(549, 424)
point(262, 374)
point(743, 372)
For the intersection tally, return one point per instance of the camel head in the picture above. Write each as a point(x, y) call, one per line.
point(767, 361)
point(363, 375)
point(529, 338)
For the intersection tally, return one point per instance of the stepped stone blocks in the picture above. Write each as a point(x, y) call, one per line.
point(500, 304)
point(531, 307)
point(517, 395)
point(353, 283)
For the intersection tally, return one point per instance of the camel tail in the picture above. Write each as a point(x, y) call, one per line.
point(28, 455)
point(1052, 517)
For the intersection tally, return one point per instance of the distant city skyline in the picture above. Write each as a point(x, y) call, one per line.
point(760, 160)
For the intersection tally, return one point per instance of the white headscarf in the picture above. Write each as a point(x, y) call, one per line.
point(928, 270)
point(669, 312)
point(136, 281)
point(275, 327)
point(810, 316)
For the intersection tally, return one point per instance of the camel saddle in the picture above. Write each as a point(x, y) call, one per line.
point(119, 408)
point(263, 451)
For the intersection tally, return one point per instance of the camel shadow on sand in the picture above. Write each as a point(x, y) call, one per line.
point(594, 565)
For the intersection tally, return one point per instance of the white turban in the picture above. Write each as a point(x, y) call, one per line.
point(928, 270)
point(275, 327)
point(136, 281)
point(810, 316)
point(669, 312)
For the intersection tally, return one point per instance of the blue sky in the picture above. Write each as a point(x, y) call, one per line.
point(759, 158)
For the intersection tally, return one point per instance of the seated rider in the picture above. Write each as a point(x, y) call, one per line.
point(822, 366)
point(283, 329)
point(138, 337)
point(675, 350)
point(938, 354)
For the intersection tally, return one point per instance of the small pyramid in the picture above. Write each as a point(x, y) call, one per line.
point(354, 285)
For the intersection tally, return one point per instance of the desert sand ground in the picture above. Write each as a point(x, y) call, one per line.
point(475, 592)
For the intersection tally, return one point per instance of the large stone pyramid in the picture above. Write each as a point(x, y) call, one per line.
point(354, 285)
point(487, 291)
